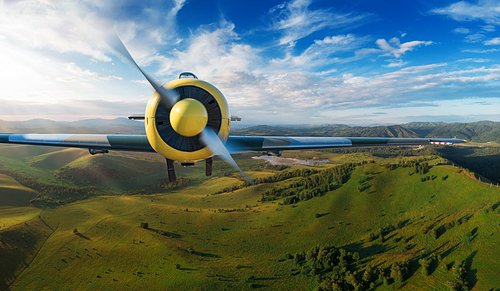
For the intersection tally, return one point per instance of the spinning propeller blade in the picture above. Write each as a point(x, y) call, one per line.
point(213, 142)
point(168, 97)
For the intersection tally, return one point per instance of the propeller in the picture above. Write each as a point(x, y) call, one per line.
point(210, 138)
point(169, 98)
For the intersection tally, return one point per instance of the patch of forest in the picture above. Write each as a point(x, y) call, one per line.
point(322, 181)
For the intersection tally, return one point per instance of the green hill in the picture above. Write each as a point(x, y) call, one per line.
point(231, 241)
point(58, 159)
point(14, 194)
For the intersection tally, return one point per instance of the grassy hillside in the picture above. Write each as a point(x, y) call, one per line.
point(231, 241)
point(12, 193)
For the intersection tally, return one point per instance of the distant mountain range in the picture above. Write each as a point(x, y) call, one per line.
point(482, 131)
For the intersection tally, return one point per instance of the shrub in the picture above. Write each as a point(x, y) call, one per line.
point(468, 236)
point(434, 233)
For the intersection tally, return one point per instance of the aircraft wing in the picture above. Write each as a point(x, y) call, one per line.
point(240, 144)
point(235, 144)
point(90, 141)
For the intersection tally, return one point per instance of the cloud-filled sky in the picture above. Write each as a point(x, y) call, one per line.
point(356, 62)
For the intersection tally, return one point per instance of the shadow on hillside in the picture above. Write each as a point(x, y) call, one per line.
point(449, 251)
point(255, 286)
point(366, 252)
point(471, 274)
point(206, 255)
point(46, 224)
point(82, 236)
point(18, 248)
point(3, 284)
point(480, 160)
point(165, 233)
point(265, 279)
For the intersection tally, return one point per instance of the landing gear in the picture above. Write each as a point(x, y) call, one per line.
point(208, 168)
point(170, 170)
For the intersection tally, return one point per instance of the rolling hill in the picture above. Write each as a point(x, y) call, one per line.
point(386, 211)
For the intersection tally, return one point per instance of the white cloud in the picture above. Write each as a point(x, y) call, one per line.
point(481, 51)
point(485, 10)
point(142, 82)
point(322, 52)
point(80, 75)
point(474, 38)
point(395, 63)
point(493, 41)
point(295, 20)
point(489, 28)
point(461, 30)
point(80, 26)
point(399, 49)
point(475, 60)
point(211, 52)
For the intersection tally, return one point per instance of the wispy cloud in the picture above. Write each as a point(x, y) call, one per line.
point(485, 10)
point(81, 75)
point(322, 52)
point(493, 41)
point(399, 48)
point(295, 20)
point(461, 30)
point(475, 60)
point(480, 51)
point(395, 63)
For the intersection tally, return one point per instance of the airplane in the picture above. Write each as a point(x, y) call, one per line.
point(187, 120)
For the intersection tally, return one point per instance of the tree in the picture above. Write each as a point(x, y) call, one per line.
point(434, 233)
point(144, 225)
point(368, 274)
point(425, 266)
point(398, 271)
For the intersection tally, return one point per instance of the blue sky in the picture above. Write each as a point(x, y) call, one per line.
point(277, 62)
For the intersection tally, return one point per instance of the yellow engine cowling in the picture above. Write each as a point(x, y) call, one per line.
point(173, 145)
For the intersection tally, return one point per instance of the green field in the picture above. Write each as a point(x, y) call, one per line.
point(196, 240)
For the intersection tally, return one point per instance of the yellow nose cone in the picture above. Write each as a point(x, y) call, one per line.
point(188, 117)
